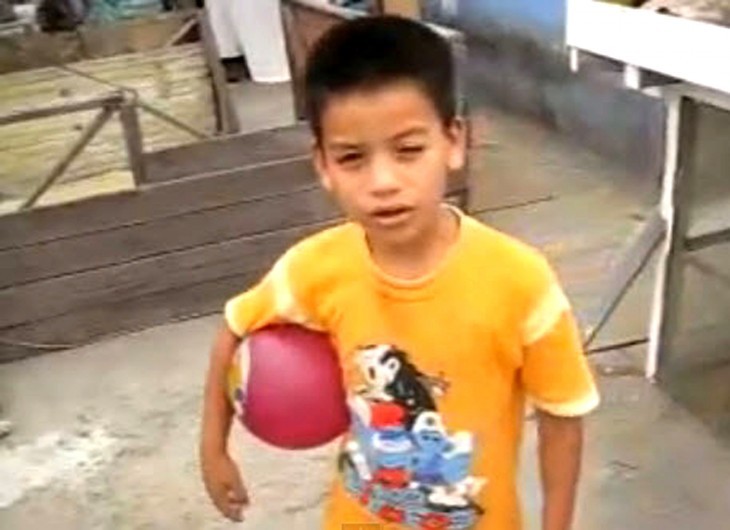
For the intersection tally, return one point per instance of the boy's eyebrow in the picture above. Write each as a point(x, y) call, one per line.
point(345, 144)
point(342, 145)
point(416, 129)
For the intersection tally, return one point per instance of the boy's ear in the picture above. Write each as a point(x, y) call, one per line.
point(457, 137)
point(320, 166)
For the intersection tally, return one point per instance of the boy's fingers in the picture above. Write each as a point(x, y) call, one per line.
point(239, 497)
point(237, 492)
point(232, 511)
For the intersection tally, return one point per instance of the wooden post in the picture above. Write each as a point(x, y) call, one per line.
point(676, 200)
point(294, 45)
point(133, 140)
point(226, 113)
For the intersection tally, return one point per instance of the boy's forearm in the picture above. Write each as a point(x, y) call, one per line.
point(561, 445)
point(217, 409)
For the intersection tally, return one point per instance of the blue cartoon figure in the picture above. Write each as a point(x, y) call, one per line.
point(442, 462)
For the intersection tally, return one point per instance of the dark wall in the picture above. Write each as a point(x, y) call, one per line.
point(518, 61)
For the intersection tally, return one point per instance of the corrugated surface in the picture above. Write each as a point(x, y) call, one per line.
point(175, 80)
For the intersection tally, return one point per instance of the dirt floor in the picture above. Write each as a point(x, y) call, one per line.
point(105, 436)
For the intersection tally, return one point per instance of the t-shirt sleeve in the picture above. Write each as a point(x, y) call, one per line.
point(278, 298)
point(555, 373)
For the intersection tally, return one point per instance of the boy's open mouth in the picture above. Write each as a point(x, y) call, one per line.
point(391, 215)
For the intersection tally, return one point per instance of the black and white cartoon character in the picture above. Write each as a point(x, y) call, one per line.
point(390, 376)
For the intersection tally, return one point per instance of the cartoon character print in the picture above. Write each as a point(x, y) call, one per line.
point(400, 461)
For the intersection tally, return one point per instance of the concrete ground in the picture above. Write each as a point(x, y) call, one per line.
point(105, 436)
point(106, 439)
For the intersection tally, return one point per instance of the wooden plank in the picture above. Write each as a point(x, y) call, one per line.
point(173, 270)
point(157, 201)
point(136, 241)
point(154, 202)
point(159, 289)
point(226, 153)
point(87, 325)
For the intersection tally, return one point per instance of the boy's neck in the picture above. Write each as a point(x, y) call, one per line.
point(419, 257)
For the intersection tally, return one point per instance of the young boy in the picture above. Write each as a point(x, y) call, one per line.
point(444, 326)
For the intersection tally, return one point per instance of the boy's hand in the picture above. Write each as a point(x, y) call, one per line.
point(225, 487)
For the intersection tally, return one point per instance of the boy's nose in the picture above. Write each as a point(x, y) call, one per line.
point(384, 177)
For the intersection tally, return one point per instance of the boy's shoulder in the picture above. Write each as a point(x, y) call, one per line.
point(326, 243)
point(501, 248)
point(516, 265)
point(322, 255)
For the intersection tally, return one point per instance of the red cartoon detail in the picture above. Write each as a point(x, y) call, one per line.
point(435, 521)
point(392, 514)
point(392, 478)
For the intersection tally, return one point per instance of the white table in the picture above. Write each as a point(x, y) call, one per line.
point(686, 63)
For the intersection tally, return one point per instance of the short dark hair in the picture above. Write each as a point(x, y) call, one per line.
point(370, 52)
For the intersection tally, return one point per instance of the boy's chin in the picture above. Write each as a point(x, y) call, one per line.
point(401, 236)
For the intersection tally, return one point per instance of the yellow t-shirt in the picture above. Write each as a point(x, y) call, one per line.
point(437, 371)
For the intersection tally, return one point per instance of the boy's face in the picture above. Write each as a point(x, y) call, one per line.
point(385, 156)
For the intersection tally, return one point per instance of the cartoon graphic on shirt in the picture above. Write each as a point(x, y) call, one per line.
point(401, 463)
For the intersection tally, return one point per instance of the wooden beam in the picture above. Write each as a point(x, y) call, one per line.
point(709, 239)
point(86, 136)
point(112, 100)
point(164, 116)
point(180, 33)
point(628, 269)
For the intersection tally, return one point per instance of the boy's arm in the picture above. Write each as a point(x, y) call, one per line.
point(217, 409)
point(220, 474)
point(558, 381)
point(273, 299)
point(560, 450)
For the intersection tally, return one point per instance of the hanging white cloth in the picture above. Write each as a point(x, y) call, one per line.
point(253, 28)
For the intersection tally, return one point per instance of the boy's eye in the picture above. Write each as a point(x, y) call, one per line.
point(349, 158)
point(410, 150)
